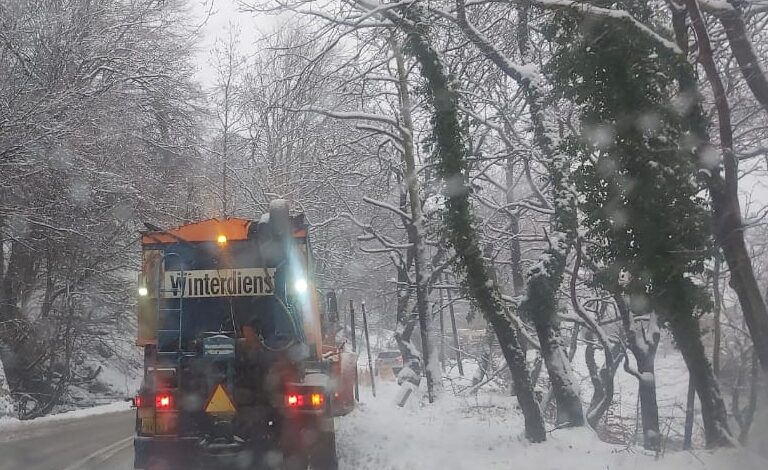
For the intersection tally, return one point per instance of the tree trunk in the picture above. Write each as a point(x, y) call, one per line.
point(643, 342)
point(749, 413)
point(545, 277)
point(687, 334)
point(515, 253)
point(744, 417)
point(718, 304)
point(646, 389)
point(649, 408)
point(405, 321)
point(594, 376)
point(544, 280)
point(602, 379)
point(452, 164)
point(690, 415)
point(738, 38)
point(729, 229)
point(18, 279)
point(432, 370)
point(564, 389)
point(455, 333)
point(6, 403)
point(3, 314)
point(442, 331)
point(744, 283)
point(484, 364)
point(574, 342)
point(510, 348)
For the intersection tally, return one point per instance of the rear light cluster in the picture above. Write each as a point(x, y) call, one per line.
point(163, 401)
point(304, 400)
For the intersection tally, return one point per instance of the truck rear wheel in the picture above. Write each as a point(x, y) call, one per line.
point(323, 455)
point(315, 448)
point(296, 461)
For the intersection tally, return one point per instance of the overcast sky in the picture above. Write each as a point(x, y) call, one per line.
point(217, 17)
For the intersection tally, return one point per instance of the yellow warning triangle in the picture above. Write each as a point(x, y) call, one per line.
point(220, 403)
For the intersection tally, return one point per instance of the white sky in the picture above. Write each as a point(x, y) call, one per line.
point(217, 17)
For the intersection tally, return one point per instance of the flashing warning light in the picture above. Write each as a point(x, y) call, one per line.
point(163, 401)
point(301, 285)
point(222, 240)
point(317, 400)
point(143, 291)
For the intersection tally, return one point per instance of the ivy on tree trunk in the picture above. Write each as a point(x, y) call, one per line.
point(462, 236)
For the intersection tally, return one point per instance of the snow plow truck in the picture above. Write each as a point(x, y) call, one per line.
point(241, 369)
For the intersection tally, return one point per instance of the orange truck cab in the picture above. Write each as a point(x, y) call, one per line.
point(232, 327)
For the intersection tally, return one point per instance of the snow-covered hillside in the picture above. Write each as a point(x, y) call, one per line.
point(671, 394)
point(485, 433)
point(12, 425)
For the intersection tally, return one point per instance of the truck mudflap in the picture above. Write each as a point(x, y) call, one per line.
point(311, 443)
point(322, 455)
point(344, 381)
point(154, 453)
point(312, 447)
point(163, 452)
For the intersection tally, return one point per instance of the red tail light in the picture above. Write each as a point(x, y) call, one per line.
point(295, 400)
point(304, 400)
point(137, 401)
point(163, 401)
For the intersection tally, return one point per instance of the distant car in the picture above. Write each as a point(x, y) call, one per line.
point(387, 360)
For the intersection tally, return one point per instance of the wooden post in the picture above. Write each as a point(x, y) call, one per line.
point(717, 308)
point(442, 332)
point(455, 333)
point(689, 416)
point(354, 345)
point(368, 347)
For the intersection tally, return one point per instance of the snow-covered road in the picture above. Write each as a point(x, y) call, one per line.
point(79, 441)
point(456, 433)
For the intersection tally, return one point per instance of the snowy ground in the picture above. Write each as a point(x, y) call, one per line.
point(482, 432)
point(671, 395)
point(485, 432)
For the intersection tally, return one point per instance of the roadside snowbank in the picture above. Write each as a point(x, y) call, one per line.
point(485, 433)
point(9, 423)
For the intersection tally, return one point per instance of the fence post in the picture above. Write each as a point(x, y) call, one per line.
point(368, 347)
point(354, 345)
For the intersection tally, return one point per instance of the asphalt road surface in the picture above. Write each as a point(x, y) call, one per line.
point(95, 442)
